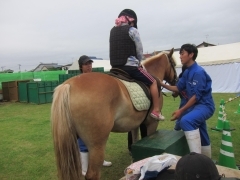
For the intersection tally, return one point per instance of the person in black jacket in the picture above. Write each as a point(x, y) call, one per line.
point(126, 53)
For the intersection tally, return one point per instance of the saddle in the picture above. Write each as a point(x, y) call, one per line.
point(120, 74)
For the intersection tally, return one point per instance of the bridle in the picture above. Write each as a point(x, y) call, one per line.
point(175, 78)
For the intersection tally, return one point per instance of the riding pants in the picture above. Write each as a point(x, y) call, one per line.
point(139, 74)
point(82, 146)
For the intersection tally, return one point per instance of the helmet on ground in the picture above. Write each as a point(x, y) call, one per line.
point(130, 13)
point(196, 166)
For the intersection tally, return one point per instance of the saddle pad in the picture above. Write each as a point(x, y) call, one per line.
point(138, 97)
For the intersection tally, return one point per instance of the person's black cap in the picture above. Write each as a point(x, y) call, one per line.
point(83, 59)
point(196, 166)
point(130, 13)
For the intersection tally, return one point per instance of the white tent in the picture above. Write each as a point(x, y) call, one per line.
point(215, 54)
point(221, 62)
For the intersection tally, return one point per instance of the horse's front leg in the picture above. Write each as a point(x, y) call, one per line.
point(135, 135)
point(151, 126)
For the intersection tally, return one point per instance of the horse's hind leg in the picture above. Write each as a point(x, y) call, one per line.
point(95, 141)
point(96, 158)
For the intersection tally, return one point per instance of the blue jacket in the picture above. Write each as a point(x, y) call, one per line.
point(195, 81)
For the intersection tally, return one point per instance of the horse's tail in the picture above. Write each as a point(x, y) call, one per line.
point(64, 135)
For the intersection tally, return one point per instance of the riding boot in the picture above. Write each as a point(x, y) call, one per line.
point(84, 161)
point(193, 140)
point(206, 150)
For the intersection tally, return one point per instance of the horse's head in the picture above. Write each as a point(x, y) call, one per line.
point(171, 74)
point(162, 66)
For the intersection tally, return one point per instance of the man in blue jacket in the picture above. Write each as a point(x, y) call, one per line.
point(200, 105)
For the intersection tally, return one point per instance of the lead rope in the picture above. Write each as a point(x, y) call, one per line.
point(164, 92)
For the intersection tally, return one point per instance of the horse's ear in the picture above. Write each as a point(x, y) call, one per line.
point(171, 53)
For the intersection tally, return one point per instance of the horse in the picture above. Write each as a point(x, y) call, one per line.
point(92, 105)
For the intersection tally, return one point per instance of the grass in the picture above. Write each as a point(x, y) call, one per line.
point(26, 148)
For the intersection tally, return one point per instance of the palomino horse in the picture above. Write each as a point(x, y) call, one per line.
point(91, 106)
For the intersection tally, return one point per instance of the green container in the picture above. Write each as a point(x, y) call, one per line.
point(22, 92)
point(64, 77)
point(68, 76)
point(49, 96)
point(61, 78)
point(98, 69)
point(36, 92)
point(73, 71)
point(162, 141)
point(48, 84)
point(54, 84)
point(48, 91)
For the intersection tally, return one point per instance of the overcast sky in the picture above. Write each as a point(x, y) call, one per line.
point(60, 31)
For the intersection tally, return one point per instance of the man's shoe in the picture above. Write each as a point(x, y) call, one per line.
point(107, 163)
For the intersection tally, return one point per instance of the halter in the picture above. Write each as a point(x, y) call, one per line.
point(174, 80)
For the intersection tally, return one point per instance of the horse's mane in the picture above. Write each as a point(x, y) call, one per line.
point(152, 58)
